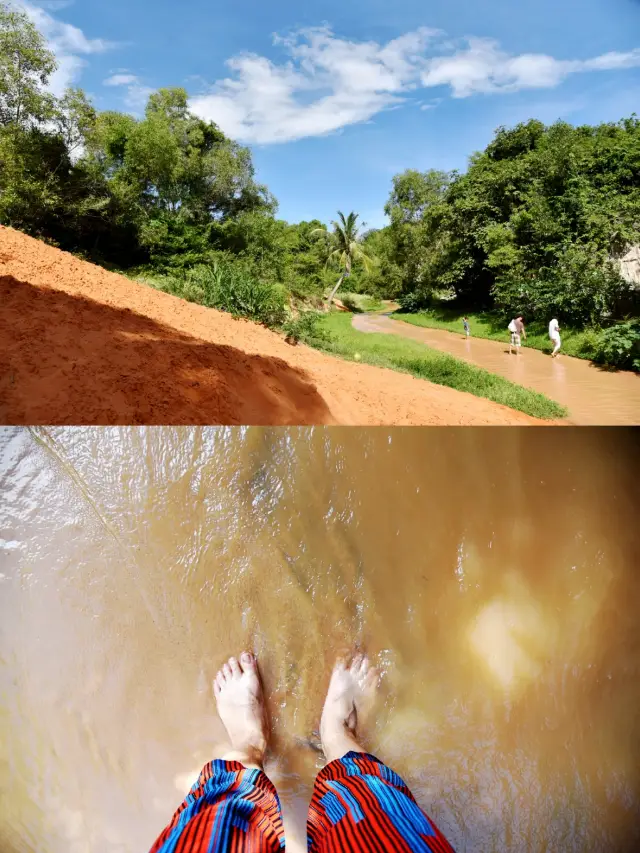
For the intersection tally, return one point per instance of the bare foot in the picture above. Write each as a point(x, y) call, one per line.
point(349, 698)
point(238, 692)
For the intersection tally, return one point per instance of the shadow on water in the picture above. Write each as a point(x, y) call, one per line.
point(491, 575)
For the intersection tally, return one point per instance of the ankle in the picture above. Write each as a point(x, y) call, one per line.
point(338, 750)
point(252, 758)
point(338, 741)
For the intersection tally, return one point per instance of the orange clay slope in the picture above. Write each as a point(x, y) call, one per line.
point(80, 345)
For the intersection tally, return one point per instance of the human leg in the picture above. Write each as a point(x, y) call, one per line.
point(232, 806)
point(557, 343)
point(358, 802)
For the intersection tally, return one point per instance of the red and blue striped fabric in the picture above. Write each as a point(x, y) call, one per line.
point(361, 804)
point(230, 809)
point(358, 804)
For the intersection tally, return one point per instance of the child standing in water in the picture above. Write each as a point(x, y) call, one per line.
point(465, 323)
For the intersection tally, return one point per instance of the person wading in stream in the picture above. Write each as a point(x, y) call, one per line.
point(554, 337)
point(518, 331)
point(358, 803)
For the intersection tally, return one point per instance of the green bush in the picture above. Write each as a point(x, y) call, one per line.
point(227, 287)
point(581, 288)
point(192, 292)
point(587, 345)
point(306, 328)
point(414, 301)
point(166, 283)
point(350, 303)
point(230, 288)
point(359, 303)
point(619, 346)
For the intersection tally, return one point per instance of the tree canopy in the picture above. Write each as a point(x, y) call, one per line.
point(25, 66)
point(536, 224)
point(120, 188)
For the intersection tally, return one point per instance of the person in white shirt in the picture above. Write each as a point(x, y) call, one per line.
point(516, 327)
point(554, 335)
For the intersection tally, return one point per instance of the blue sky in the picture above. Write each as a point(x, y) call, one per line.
point(334, 98)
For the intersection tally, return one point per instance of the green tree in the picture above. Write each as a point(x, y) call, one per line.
point(174, 179)
point(415, 208)
point(261, 240)
point(536, 223)
point(306, 271)
point(25, 67)
point(385, 278)
point(344, 247)
point(414, 194)
point(185, 164)
point(75, 119)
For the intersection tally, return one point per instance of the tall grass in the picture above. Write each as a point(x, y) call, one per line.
point(226, 287)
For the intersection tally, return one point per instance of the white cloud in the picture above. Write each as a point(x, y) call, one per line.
point(482, 68)
point(137, 93)
point(68, 43)
point(614, 60)
point(326, 83)
point(120, 80)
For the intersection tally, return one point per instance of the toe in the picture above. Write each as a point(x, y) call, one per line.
point(226, 670)
point(356, 664)
point(234, 666)
point(371, 677)
point(247, 661)
point(218, 683)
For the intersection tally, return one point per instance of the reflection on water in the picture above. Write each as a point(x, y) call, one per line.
point(490, 573)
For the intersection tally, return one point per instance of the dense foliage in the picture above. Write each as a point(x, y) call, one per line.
point(167, 193)
point(344, 247)
point(536, 224)
point(619, 346)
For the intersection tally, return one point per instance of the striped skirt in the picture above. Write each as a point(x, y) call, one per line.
point(358, 804)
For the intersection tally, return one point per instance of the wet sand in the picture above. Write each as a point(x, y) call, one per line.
point(492, 574)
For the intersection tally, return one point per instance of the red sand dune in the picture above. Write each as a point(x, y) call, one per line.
point(80, 345)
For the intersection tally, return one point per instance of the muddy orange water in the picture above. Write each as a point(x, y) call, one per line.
point(492, 574)
point(593, 396)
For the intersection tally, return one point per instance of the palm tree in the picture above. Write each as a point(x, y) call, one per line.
point(344, 247)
